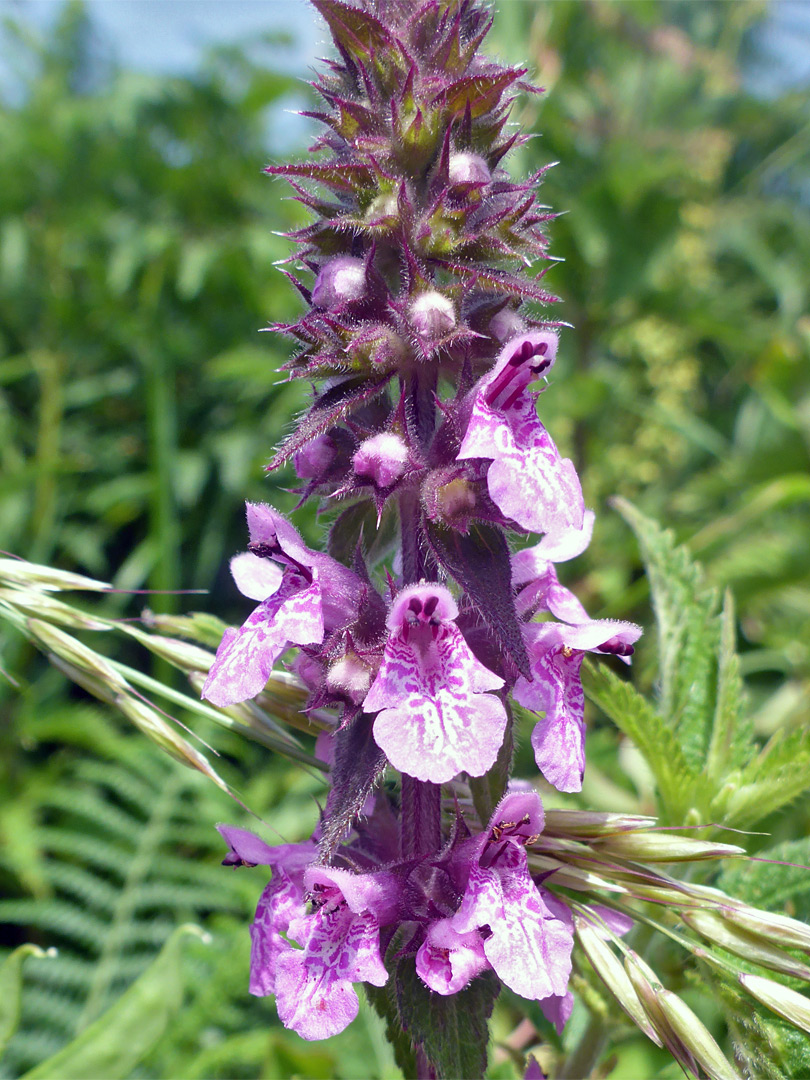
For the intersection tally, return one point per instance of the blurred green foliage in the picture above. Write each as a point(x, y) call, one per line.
point(138, 405)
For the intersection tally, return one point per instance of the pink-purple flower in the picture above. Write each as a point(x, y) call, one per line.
point(302, 593)
point(280, 903)
point(528, 480)
point(555, 652)
point(523, 936)
point(339, 945)
point(435, 717)
point(535, 578)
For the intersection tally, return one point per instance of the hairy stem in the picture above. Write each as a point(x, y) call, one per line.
point(421, 817)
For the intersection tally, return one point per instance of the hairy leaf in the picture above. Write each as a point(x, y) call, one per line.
point(637, 718)
point(452, 1032)
point(688, 634)
point(774, 778)
point(732, 731)
point(332, 406)
point(770, 885)
point(768, 1046)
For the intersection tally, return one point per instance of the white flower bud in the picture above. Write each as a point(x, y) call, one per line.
point(787, 1003)
point(350, 676)
point(381, 459)
point(506, 324)
point(467, 168)
point(432, 315)
point(340, 280)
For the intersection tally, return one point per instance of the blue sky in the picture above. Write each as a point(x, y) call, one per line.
point(168, 35)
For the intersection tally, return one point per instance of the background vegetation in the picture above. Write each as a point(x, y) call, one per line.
point(138, 405)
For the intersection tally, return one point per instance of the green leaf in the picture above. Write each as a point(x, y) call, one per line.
point(11, 990)
point(775, 777)
point(452, 1032)
point(768, 1046)
point(636, 717)
point(688, 633)
point(111, 1047)
point(733, 729)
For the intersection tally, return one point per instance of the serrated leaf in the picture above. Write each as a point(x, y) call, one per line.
point(688, 633)
point(732, 729)
point(775, 777)
point(383, 999)
point(11, 990)
point(112, 1046)
point(479, 562)
point(636, 717)
point(452, 1031)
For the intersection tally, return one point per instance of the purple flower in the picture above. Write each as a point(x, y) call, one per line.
point(301, 599)
point(435, 717)
point(528, 480)
point(555, 653)
point(280, 903)
point(447, 960)
point(534, 575)
point(525, 941)
point(340, 945)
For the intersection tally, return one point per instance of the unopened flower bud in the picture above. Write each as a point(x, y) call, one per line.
point(714, 928)
point(350, 676)
point(315, 457)
point(780, 929)
point(695, 1037)
point(665, 847)
point(506, 324)
point(787, 1003)
point(381, 459)
point(466, 168)
point(340, 280)
point(432, 315)
point(610, 969)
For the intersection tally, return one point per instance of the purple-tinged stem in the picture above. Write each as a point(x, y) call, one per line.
point(421, 817)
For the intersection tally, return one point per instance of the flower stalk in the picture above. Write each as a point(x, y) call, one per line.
point(427, 331)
